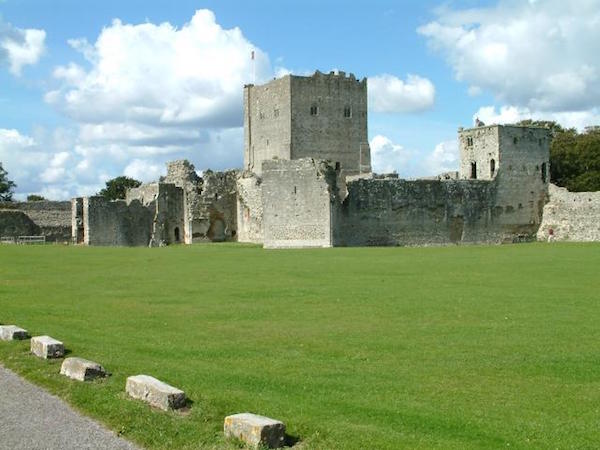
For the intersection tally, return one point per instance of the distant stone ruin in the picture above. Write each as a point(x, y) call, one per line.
point(40, 218)
point(307, 182)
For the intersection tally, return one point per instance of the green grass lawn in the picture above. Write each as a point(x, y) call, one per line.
point(365, 348)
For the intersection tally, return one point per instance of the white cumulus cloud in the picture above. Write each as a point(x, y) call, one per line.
point(542, 55)
point(388, 93)
point(387, 157)
point(512, 114)
point(161, 75)
point(144, 94)
point(20, 47)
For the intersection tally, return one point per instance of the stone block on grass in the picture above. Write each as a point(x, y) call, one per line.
point(81, 369)
point(155, 392)
point(47, 347)
point(255, 430)
point(12, 333)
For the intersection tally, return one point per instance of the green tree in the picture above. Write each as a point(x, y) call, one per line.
point(117, 187)
point(35, 198)
point(6, 186)
point(574, 157)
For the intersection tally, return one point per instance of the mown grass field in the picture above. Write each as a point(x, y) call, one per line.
point(354, 348)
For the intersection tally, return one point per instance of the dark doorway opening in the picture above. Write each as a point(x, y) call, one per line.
point(473, 170)
point(176, 231)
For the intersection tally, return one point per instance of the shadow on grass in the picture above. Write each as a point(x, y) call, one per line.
point(290, 440)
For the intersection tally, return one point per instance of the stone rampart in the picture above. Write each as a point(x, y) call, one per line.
point(573, 216)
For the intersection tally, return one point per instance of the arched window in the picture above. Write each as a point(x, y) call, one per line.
point(473, 170)
point(492, 167)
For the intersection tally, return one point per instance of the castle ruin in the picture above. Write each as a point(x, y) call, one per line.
point(307, 182)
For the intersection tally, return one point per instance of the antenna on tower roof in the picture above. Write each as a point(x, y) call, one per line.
point(253, 68)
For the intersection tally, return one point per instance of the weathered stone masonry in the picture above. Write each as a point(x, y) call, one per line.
point(307, 182)
point(44, 218)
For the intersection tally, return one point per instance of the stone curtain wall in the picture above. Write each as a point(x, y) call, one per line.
point(249, 208)
point(297, 199)
point(573, 216)
point(116, 222)
point(330, 134)
point(267, 123)
point(53, 219)
point(399, 212)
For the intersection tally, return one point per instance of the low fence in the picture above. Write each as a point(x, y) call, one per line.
point(31, 240)
point(7, 240)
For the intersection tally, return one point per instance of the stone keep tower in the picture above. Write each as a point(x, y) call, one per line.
point(519, 152)
point(516, 159)
point(323, 116)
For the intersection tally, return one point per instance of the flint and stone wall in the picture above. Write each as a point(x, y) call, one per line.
point(573, 216)
point(53, 219)
point(298, 199)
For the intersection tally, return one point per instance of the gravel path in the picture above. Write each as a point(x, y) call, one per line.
point(32, 419)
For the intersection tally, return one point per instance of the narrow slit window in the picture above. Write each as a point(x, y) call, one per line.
point(544, 175)
point(314, 110)
point(492, 167)
point(347, 112)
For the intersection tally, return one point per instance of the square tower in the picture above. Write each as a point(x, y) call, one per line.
point(323, 116)
point(519, 152)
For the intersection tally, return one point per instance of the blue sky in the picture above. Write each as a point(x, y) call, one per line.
point(92, 90)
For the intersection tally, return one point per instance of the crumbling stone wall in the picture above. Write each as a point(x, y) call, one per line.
point(152, 214)
point(298, 199)
point(573, 216)
point(115, 222)
point(53, 219)
point(249, 208)
point(210, 202)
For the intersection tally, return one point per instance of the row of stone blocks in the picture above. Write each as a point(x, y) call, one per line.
point(253, 429)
